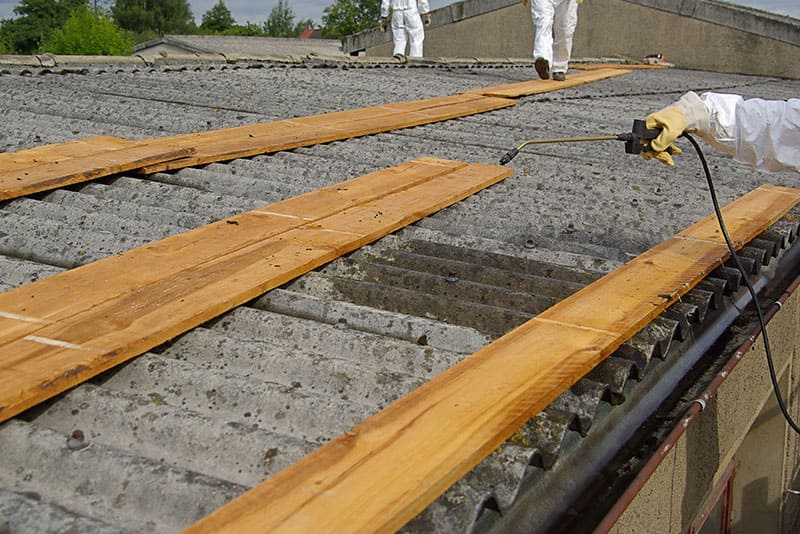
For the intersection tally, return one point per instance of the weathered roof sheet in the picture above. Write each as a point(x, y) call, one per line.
point(183, 429)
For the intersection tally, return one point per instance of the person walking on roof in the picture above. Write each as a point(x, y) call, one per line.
point(764, 134)
point(407, 24)
point(554, 22)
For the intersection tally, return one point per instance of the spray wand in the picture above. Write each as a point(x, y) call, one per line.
point(633, 140)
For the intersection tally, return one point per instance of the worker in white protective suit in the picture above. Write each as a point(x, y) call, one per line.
point(554, 24)
point(764, 134)
point(407, 24)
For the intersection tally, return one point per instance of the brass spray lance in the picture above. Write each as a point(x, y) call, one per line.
point(633, 140)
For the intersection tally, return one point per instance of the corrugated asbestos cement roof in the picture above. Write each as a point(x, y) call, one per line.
point(183, 429)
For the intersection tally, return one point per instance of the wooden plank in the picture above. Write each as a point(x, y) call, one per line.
point(246, 141)
point(59, 173)
point(54, 166)
point(533, 87)
point(626, 66)
point(78, 341)
point(384, 471)
point(14, 326)
point(28, 308)
point(31, 157)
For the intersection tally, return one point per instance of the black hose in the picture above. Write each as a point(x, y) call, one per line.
point(772, 375)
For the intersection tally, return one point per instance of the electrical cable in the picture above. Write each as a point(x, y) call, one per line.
point(750, 288)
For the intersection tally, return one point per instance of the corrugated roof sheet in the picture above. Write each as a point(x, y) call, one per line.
point(181, 430)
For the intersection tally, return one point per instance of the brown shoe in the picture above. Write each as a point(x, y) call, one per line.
point(559, 76)
point(542, 68)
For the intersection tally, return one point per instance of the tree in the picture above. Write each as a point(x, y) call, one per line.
point(249, 29)
point(151, 18)
point(218, 18)
point(280, 22)
point(89, 31)
point(5, 45)
point(36, 19)
point(346, 17)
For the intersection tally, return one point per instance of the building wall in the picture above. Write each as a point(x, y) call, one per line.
point(685, 41)
point(739, 42)
point(503, 32)
point(740, 426)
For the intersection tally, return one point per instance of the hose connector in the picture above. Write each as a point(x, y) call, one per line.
point(508, 156)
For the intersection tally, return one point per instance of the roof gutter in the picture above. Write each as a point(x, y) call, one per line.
point(696, 406)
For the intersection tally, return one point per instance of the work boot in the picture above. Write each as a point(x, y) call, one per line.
point(542, 68)
point(559, 76)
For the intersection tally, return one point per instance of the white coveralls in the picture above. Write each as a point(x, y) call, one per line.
point(554, 22)
point(764, 134)
point(406, 24)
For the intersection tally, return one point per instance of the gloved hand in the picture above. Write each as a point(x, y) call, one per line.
point(426, 18)
point(672, 123)
point(384, 24)
point(688, 114)
point(664, 156)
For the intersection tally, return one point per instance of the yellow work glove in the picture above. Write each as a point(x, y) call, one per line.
point(688, 114)
point(426, 18)
point(664, 157)
point(384, 24)
point(672, 124)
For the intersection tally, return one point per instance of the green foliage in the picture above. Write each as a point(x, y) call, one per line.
point(5, 45)
point(36, 19)
point(280, 22)
point(153, 18)
point(88, 32)
point(249, 30)
point(218, 18)
point(346, 17)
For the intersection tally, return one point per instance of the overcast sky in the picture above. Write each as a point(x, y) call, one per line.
point(256, 11)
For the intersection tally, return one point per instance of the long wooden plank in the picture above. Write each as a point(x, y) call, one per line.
point(626, 66)
point(52, 170)
point(246, 141)
point(30, 307)
point(336, 120)
point(77, 342)
point(31, 157)
point(384, 471)
point(60, 173)
point(534, 87)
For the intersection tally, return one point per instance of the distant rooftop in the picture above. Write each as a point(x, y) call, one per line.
point(240, 45)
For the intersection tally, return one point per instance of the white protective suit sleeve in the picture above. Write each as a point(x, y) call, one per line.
point(385, 4)
point(764, 134)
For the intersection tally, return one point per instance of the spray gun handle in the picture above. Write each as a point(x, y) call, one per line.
point(640, 132)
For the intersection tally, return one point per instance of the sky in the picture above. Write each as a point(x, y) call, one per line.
point(257, 11)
